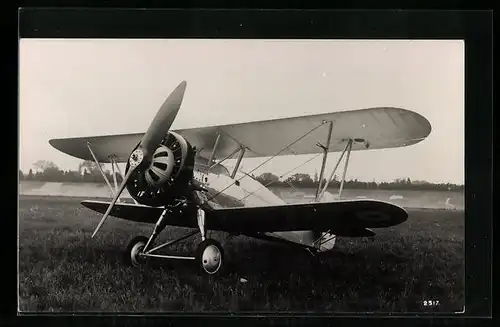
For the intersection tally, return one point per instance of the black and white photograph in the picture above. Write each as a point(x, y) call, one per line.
point(241, 175)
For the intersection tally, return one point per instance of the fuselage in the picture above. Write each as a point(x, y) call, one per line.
point(245, 191)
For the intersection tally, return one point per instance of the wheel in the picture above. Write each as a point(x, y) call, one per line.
point(210, 256)
point(134, 247)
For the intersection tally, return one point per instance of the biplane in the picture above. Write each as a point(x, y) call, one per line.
point(177, 178)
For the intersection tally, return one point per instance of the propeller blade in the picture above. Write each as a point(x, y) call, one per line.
point(159, 126)
point(163, 119)
point(117, 195)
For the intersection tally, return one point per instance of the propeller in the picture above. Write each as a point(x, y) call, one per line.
point(158, 128)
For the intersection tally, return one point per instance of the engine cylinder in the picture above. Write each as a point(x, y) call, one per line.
point(166, 176)
point(161, 166)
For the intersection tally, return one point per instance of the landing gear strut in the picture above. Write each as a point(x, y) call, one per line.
point(209, 253)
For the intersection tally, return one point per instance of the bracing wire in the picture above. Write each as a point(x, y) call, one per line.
point(280, 177)
point(262, 164)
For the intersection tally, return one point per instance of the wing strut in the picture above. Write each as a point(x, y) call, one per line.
point(113, 164)
point(326, 237)
point(119, 170)
point(114, 174)
point(222, 160)
point(348, 148)
point(325, 155)
point(345, 166)
point(240, 157)
point(213, 152)
point(100, 169)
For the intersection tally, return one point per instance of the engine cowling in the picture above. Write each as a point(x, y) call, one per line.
point(168, 174)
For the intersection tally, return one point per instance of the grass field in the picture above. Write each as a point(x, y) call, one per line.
point(62, 269)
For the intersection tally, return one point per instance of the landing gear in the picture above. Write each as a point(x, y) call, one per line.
point(209, 255)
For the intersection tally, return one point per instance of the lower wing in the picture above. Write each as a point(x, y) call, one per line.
point(339, 217)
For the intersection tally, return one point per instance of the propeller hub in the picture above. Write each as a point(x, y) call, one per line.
point(136, 158)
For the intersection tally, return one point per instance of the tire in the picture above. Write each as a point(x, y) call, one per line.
point(210, 257)
point(134, 246)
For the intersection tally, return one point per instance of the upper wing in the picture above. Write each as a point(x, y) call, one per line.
point(374, 128)
point(105, 147)
point(339, 216)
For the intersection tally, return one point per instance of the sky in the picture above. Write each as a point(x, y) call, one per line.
point(87, 87)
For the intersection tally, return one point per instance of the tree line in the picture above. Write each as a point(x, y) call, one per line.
point(301, 180)
point(89, 172)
